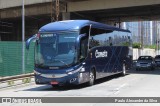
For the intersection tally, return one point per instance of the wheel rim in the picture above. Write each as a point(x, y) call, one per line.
point(91, 78)
point(124, 69)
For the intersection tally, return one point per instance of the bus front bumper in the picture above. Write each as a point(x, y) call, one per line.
point(73, 79)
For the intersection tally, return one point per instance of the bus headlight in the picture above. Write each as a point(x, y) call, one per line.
point(81, 69)
point(72, 72)
point(36, 73)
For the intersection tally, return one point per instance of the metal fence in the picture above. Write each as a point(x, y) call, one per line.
point(11, 58)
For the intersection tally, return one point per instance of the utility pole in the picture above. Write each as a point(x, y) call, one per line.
point(151, 32)
point(146, 31)
point(158, 32)
point(52, 8)
point(55, 4)
point(23, 37)
point(142, 35)
point(139, 32)
point(57, 10)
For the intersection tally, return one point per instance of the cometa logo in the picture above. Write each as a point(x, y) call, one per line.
point(101, 54)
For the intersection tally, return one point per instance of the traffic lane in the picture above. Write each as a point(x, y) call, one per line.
point(80, 90)
point(72, 87)
point(121, 86)
point(146, 86)
point(109, 86)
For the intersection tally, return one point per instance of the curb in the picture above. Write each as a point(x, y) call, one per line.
point(16, 80)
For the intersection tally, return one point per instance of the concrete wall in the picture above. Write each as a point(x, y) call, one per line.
point(29, 10)
point(12, 8)
point(16, 3)
point(142, 52)
point(107, 4)
point(84, 5)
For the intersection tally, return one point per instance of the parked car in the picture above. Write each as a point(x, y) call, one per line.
point(157, 60)
point(145, 62)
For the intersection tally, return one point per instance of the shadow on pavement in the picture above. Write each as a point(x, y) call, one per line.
point(65, 88)
point(99, 81)
point(145, 71)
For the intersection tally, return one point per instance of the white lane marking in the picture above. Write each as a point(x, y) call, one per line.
point(118, 89)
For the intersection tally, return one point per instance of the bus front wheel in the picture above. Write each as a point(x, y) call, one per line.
point(91, 78)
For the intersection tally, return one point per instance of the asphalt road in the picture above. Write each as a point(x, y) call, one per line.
point(134, 84)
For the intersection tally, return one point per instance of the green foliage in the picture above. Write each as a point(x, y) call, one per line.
point(26, 80)
point(126, 44)
point(11, 82)
point(136, 45)
point(150, 46)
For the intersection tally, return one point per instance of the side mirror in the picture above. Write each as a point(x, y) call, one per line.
point(79, 38)
point(34, 37)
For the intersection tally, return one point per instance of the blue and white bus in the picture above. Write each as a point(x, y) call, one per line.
point(79, 51)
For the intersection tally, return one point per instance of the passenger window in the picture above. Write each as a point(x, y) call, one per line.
point(100, 37)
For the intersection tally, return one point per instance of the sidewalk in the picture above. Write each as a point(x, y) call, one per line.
point(16, 80)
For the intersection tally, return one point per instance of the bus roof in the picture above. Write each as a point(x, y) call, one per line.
point(70, 25)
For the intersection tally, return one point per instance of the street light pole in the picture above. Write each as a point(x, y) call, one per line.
point(158, 40)
point(23, 38)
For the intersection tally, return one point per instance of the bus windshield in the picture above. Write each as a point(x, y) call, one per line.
point(56, 50)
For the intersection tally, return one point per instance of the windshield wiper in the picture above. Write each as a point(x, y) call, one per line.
point(62, 62)
point(41, 65)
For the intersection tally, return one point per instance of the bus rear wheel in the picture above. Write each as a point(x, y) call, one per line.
point(91, 78)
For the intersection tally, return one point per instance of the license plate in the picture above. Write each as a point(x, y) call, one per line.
point(54, 82)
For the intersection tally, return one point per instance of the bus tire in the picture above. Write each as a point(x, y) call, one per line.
point(91, 78)
point(124, 70)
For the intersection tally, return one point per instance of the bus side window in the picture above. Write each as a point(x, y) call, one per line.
point(97, 38)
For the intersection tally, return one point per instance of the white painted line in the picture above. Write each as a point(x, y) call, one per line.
point(117, 90)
